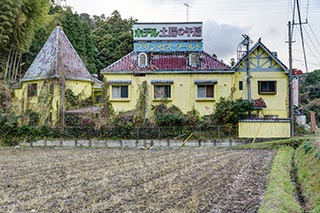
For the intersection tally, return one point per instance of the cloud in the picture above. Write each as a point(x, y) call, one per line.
point(222, 39)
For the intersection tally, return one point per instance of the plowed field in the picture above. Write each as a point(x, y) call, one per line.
point(104, 180)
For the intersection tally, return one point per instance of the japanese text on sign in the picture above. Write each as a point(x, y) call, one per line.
point(167, 46)
point(168, 31)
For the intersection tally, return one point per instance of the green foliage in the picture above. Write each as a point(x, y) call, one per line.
point(308, 172)
point(307, 146)
point(8, 10)
point(276, 144)
point(164, 116)
point(280, 193)
point(231, 111)
point(32, 117)
point(113, 37)
point(193, 118)
point(140, 109)
point(5, 96)
point(19, 21)
point(310, 94)
point(71, 99)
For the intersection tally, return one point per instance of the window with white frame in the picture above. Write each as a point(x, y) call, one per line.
point(194, 59)
point(205, 91)
point(162, 91)
point(120, 91)
point(142, 60)
point(205, 88)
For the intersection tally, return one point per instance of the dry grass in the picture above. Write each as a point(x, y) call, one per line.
point(100, 180)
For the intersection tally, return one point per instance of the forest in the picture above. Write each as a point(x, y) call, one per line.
point(26, 25)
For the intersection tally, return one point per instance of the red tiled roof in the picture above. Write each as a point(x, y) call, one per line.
point(296, 72)
point(58, 58)
point(259, 103)
point(165, 61)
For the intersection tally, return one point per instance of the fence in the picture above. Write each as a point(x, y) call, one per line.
point(168, 132)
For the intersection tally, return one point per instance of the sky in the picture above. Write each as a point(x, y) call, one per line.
point(224, 22)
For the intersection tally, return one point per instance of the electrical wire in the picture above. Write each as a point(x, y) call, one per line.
point(314, 46)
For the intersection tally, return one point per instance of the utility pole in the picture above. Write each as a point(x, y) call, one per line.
point(291, 109)
point(246, 43)
point(187, 5)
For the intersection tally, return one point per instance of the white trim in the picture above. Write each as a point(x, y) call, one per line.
point(139, 60)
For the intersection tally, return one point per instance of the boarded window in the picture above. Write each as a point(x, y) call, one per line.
point(267, 87)
point(32, 90)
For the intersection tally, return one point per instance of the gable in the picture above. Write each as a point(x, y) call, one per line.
point(261, 60)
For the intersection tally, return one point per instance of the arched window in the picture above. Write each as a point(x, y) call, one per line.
point(142, 60)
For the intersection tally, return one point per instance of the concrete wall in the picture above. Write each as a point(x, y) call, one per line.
point(264, 129)
point(138, 144)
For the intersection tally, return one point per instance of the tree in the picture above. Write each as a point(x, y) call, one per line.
point(19, 21)
point(5, 96)
point(113, 37)
point(231, 111)
point(310, 94)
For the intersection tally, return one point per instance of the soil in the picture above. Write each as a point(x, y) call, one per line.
point(107, 180)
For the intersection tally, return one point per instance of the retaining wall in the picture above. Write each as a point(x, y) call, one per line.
point(136, 143)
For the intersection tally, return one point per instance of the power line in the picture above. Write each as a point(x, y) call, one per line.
point(312, 42)
point(314, 35)
point(301, 35)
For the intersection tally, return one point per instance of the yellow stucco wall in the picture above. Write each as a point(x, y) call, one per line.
point(183, 90)
point(48, 102)
point(80, 87)
point(264, 129)
point(277, 104)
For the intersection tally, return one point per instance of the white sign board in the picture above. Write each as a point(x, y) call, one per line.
point(167, 31)
point(295, 90)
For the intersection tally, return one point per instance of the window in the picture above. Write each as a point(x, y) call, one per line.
point(240, 85)
point(98, 99)
point(194, 59)
point(162, 91)
point(205, 91)
point(51, 90)
point(267, 87)
point(142, 60)
point(119, 92)
point(32, 90)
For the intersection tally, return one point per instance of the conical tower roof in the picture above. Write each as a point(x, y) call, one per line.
point(57, 59)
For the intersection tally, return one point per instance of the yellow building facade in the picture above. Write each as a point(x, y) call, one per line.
point(56, 72)
point(192, 79)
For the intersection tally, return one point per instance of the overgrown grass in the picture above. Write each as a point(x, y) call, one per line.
point(307, 163)
point(280, 193)
point(276, 144)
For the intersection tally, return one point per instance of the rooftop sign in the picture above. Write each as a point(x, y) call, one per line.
point(168, 46)
point(167, 31)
